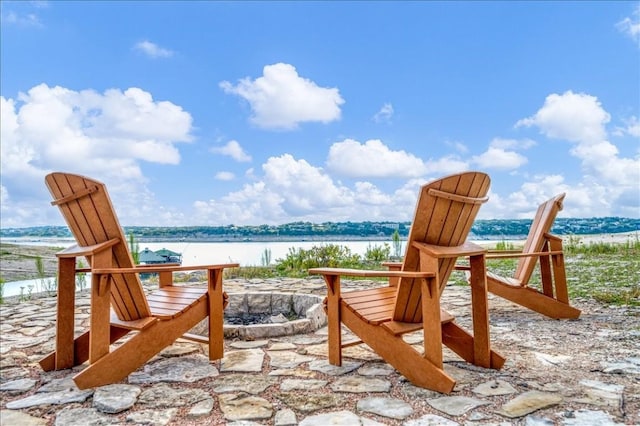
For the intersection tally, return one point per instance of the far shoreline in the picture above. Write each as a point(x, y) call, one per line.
point(606, 237)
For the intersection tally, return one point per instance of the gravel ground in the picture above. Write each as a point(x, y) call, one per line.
point(18, 262)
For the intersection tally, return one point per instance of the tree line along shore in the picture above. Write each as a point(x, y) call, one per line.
point(492, 229)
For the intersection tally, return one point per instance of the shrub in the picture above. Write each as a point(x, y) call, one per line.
point(299, 260)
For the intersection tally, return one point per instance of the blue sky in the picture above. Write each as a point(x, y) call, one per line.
point(249, 113)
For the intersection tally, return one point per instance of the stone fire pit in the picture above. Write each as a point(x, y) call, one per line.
point(269, 314)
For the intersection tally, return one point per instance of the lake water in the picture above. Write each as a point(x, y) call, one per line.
point(246, 253)
point(197, 253)
point(194, 254)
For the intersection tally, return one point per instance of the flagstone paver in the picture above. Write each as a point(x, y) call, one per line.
point(581, 372)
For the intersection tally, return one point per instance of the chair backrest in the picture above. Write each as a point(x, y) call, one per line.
point(445, 211)
point(87, 209)
point(542, 223)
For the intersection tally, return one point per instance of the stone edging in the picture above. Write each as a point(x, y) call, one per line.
point(306, 307)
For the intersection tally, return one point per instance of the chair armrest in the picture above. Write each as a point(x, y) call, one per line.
point(76, 250)
point(493, 251)
point(392, 265)
point(493, 256)
point(154, 268)
point(439, 252)
point(369, 273)
point(155, 265)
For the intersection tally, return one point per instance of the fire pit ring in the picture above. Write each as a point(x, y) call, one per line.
point(260, 315)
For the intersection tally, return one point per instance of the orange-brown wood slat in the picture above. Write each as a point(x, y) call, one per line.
point(128, 295)
point(370, 297)
point(441, 206)
point(165, 314)
point(157, 299)
point(367, 310)
point(170, 305)
point(373, 305)
point(89, 227)
point(363, 292)
point(183, 291)
point(177, 294)
point(378, 318)
point(59, 187)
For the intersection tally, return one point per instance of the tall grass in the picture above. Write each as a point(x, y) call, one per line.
point(397, 244)
point(575, 245)
point(134, 248)
point(46, 284)
point(266, 257)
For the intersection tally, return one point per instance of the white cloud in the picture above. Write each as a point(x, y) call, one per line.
point(630, 26)
point(24, 20)
point(152, 50)
point(293, 190)
point(281, 99)
point(385, 114)
point(610, 182)
point(631, 127)
point(458, 146)
point(372, 159)
point(104, 136)
point(576, 117)
point(512, 143)
point(446, 165)
point(233, 150)
point(500, 154)
point(498, 158)
point(224, 176)
point(588, 198)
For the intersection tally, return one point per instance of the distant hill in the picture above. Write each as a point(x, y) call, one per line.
point(296, 231)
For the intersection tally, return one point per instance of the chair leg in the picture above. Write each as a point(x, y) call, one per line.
point(534, 300)
point(332, 308)
point(215, 299)
point(80, 349)
point(462, 343)
point(128, 357)
point(398, 353)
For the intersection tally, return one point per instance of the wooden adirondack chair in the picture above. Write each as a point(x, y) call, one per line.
point(445, 211)
point(118, 302)
point(545, 249)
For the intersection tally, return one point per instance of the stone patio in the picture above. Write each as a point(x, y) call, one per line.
point(582, 372)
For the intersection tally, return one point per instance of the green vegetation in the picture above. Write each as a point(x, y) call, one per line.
point(134, 248)
point(81, 277)
point(1, 291)
point(266, 257)
point(299, 260)
point(46, 284)
point(607, 272)
point(397, 245)
point(377, 254)
point(505, 246)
